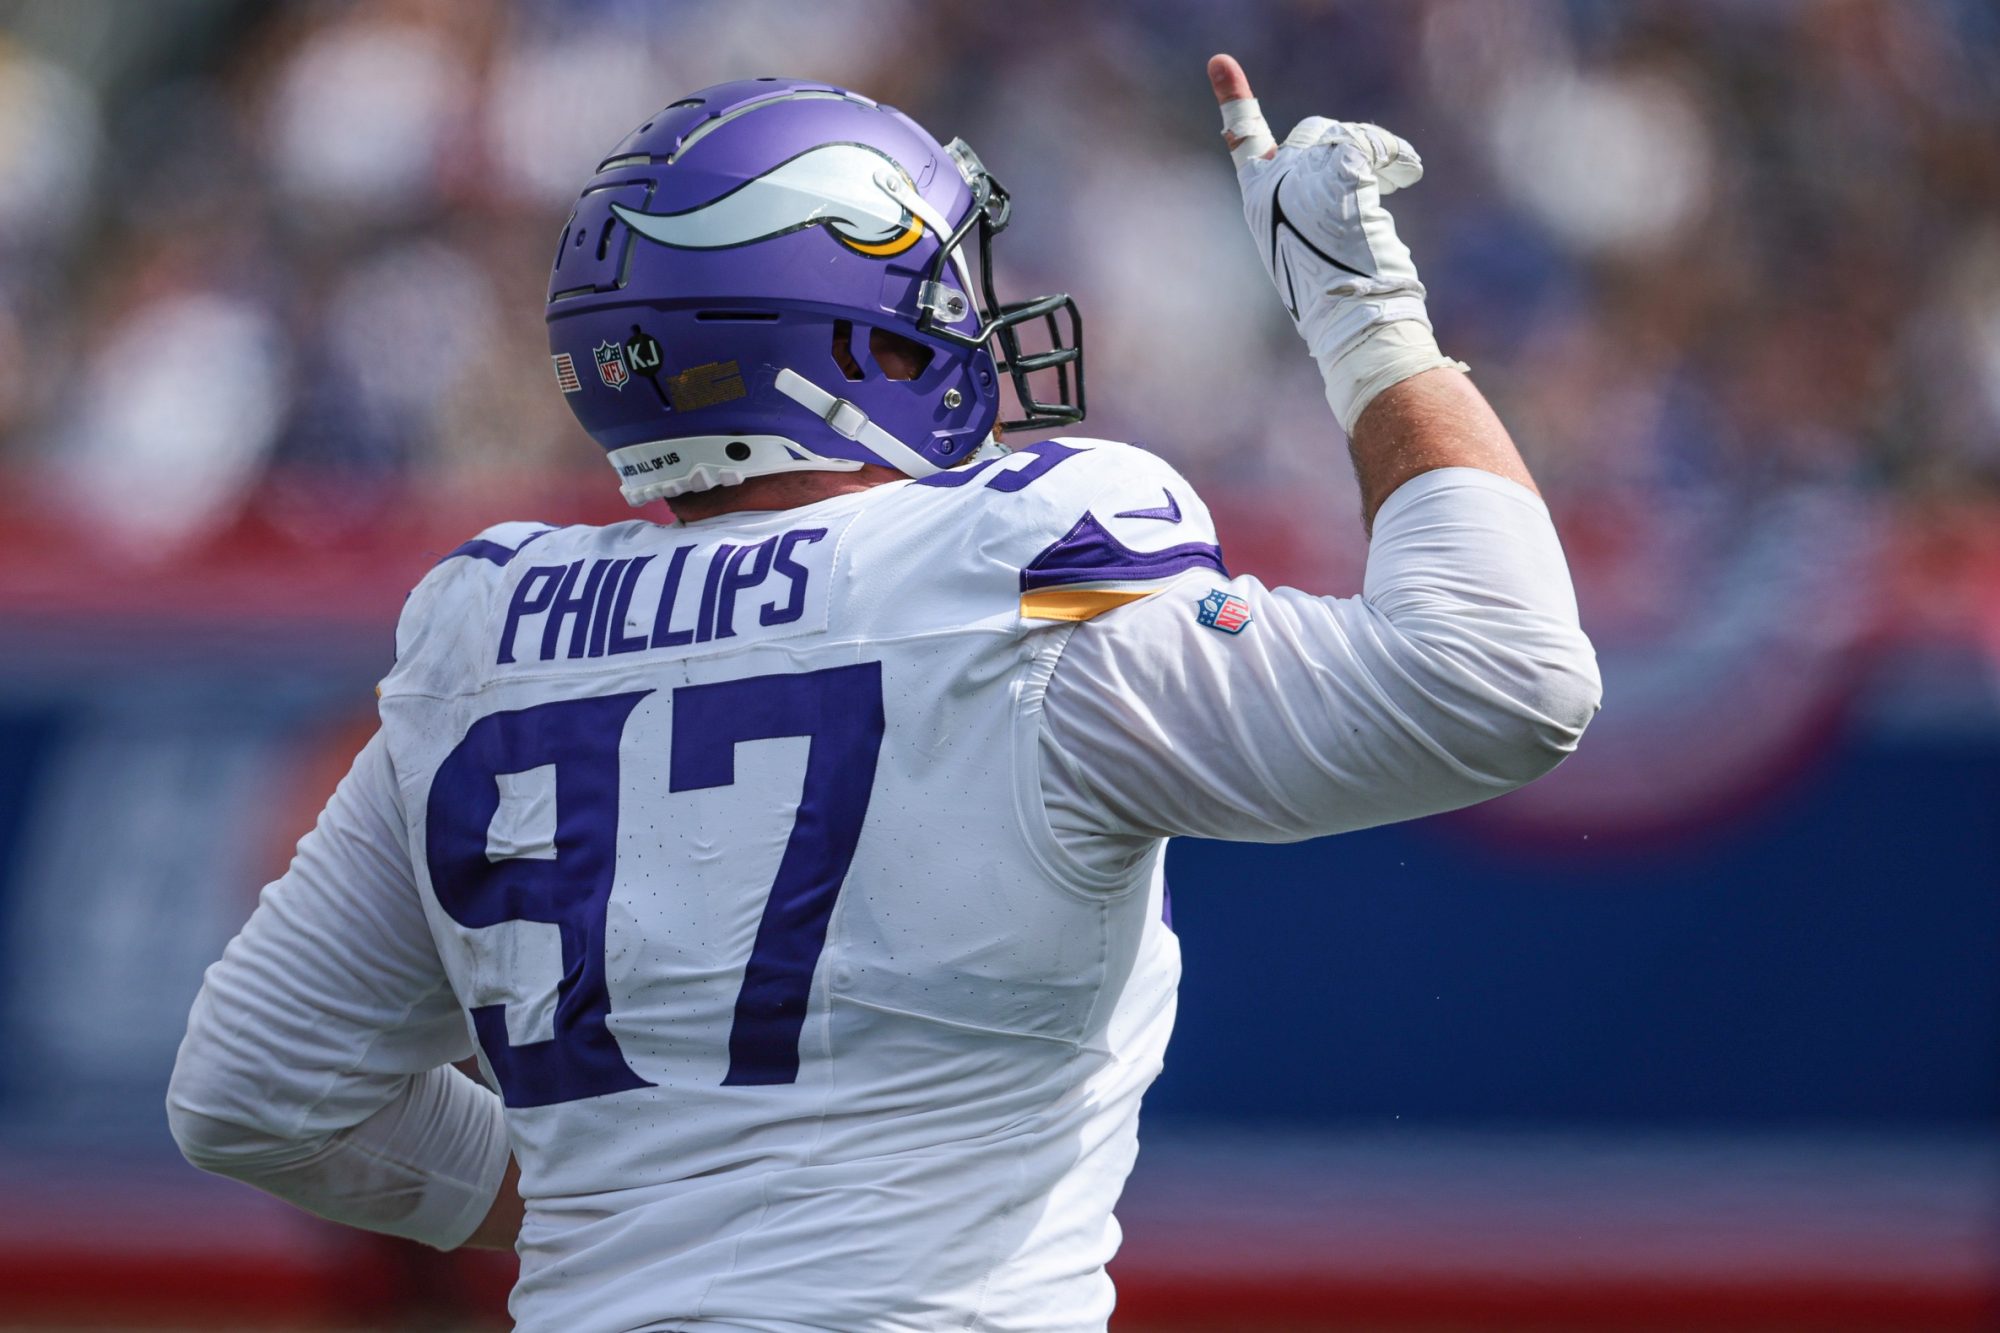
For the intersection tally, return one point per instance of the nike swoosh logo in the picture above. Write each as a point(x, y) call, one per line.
point(1170, 512)
point(1278, 219)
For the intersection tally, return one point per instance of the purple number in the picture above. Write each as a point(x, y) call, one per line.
point(954, 477)
point(571, 892)
point(840, 709)
point(1047, 453)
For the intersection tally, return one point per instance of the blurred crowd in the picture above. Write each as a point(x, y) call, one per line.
point(1698, 250)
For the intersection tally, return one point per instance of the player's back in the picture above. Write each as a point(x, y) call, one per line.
point(733, 846)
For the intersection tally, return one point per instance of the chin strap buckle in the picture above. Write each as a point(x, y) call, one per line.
point(848, 421)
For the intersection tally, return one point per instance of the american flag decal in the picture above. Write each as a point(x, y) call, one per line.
point(566, 379)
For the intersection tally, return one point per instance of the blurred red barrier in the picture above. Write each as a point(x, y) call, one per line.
point(307, 546)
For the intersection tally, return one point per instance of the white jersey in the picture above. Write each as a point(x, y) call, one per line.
point(800, 875)
point(731, 840)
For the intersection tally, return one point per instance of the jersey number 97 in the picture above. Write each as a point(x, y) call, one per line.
point(838, 709)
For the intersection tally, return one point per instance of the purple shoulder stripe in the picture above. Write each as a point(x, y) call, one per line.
point(1088, 553)
point(481, 549)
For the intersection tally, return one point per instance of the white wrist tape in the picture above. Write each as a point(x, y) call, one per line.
point(1244, 119)
point(1389, 354)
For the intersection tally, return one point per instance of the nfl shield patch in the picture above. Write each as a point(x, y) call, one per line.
point(611, 365)
point(1222, 610)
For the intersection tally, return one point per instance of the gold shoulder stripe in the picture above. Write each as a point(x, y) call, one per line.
point(1075, 603)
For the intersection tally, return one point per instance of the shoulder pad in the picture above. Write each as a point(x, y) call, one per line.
point(450, 600)
point(499, 543)
point(1112, 523)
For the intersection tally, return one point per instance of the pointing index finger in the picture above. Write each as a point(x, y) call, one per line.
point(1226, 76)
point(1243, 127)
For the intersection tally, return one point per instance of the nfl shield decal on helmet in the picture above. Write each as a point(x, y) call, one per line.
point(611, 365)
point(1223, 610)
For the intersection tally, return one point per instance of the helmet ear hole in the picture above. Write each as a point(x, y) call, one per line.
point(843, 349)
point(900, 358)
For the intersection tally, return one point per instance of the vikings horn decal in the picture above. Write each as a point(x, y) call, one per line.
point(835, 186)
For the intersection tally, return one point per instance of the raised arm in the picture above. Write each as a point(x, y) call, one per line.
point(1314, 205)
point(1459, 673)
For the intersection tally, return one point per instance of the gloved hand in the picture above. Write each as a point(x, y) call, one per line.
point(1314, 205)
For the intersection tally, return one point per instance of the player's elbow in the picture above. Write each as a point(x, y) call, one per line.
point(208, 1141)
point(219, 1117)
point(1499, 704)
point(226, 1145)
point(1537, 708)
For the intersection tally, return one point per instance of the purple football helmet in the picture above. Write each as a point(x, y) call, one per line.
point(715, 287)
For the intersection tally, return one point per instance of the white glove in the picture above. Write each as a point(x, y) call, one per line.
point(1315, 211)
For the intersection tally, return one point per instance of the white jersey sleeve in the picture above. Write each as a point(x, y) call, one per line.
point(316, 1060)
point(1226, 709)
